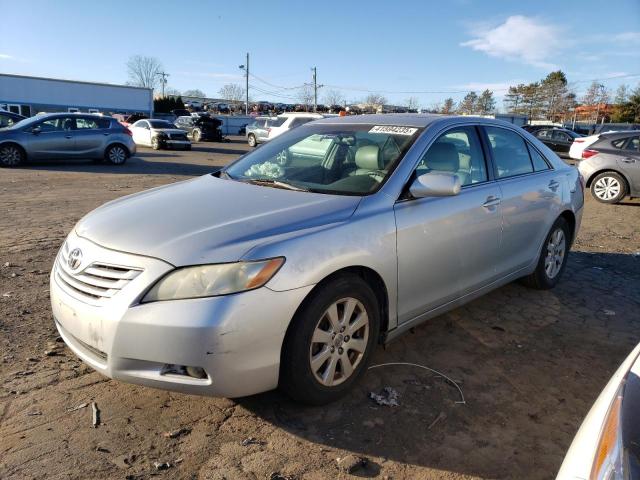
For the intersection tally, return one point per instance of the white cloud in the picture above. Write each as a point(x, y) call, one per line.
point(4, 56)
point(627, 38)
point(519, 38)
point(493, 86)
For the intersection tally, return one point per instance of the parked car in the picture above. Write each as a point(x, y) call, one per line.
point(9, 118)
point(65, 136)
point(534, 128)
point(581, 143)
point(181, 112)
point(159, 134)
point(610, 166)
point(288, 266)
point(257, 132)
point(557, 139)
point(128, 120)
point(286, 122)
point(200, 128)
point(607, 444)
point(615, 127)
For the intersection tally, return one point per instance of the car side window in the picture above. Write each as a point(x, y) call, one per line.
point(546, 134)
point(6, 121)
point(560, 136)
point(509, 151)
point(144, 125)
point(619, 143)
point(633, 144)
point(539, 163)
point(86, 124)
point(456, 151)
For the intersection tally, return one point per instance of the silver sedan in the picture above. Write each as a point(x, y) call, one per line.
point(288, 266)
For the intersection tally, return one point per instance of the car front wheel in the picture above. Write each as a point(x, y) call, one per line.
point(155, 143)
point(11, 156)
point(197, 135)
point(609, 187)
point(251, 139)
point(329, 343)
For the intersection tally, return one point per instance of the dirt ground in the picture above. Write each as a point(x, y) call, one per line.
point(529, 363)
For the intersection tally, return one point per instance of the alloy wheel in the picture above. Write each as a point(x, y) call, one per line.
point(117, 155)
point(339, 341)
point(10, 156)
point(607, 188)
point(556, 249)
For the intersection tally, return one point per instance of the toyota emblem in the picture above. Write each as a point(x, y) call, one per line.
point(75, 258)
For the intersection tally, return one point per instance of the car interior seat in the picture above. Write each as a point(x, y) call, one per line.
point(443, 157)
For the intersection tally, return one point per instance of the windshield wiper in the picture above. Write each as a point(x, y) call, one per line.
point(277, 184)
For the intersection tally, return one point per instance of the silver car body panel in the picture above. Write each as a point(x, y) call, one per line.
point(431, 254)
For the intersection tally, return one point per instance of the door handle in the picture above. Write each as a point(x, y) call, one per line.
point(106, 134)
point(629, 160)
point(553, 185)
point(492, 201)
point(68, 136)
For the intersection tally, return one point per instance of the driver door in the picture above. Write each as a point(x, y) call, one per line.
point(52, 138)
point(447, 246)
point(141, 133)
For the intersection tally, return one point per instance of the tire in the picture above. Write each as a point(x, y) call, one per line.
point(116, 154)
point(609, 187)
point(11, 155)
point(196, 135)
point(251, 140)
point(553, 257)
point(336, 344)
point(155, 143)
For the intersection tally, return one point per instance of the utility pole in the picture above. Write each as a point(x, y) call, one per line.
point(315, 89)
point(163, 80)
point(245, 67)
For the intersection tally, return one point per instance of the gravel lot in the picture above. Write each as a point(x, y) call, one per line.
point(530, 363)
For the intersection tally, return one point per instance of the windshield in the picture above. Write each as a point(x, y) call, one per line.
point(161, 124)
point(331, 158)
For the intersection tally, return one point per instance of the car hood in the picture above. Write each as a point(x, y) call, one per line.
point(208, 220)
point(168, 130)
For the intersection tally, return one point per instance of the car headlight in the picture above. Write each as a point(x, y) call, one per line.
point(213, 280)
point(608, 462)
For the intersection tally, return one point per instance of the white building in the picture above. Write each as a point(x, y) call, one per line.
point(31, 95)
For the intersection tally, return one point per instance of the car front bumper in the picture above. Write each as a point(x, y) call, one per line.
point(236, 339)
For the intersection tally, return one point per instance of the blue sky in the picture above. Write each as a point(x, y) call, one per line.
point(388, 47)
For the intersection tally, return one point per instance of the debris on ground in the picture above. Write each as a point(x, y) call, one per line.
point(78, 407)
point(609, 312)
point(177, 433)
point(95, 414)
point(7, 264)
point(280, 476)
point(251, 441)
point(388, 397)
point(498, 328)
point(161, 465)
point(102, 449)
point(123, 461)
point(441, 416)
point(33, 414)
point(351, 463)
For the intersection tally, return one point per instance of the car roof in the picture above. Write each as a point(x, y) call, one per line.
point(620, 133)
point(419, 120)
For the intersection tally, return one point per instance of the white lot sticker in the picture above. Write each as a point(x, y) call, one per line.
point(393, 129)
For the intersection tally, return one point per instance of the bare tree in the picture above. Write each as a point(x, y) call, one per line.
point(171, 92)
point(412, 103)
point(143, 71)
point(232, 92)
point(375, 100)
point(305, 95)
point(333, 97)
point(596, 97)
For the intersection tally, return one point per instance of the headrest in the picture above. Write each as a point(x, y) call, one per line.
point(368, 157)
point(443, 157)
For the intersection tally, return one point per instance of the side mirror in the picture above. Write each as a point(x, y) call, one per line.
point(435, 185)
point(36, 130)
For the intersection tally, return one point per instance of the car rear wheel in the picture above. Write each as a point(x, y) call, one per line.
point(553, 257)
point(11, 156)
point(197, 135)
point(329, 343)
point(609, 187)
point(251, 139)
point(116, 154)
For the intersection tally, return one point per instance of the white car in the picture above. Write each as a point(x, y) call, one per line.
point(291, 121)
point(159, 134)
point(580, 144)
point(607, 446)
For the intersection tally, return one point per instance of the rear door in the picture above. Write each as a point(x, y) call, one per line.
point(629, 161)
point(531, 194)
point(91, 135)
point(52, 138)
point(448, 246)
point(562, 141)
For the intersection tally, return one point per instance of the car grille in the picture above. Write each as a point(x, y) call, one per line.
point(95, 283)
point(177, 136)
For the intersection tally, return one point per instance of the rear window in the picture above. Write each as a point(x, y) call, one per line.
point(259, 123)
point(619, 143)
point(509, 151)
point(276, 122)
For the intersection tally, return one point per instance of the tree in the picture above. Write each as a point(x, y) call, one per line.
point(194, 93)
point(166, 104)
point(333, 97)
point(412, 103)
point(449, 106)
point(375, 100)
point(554, 95)
point(513, 99)
point(595, 98)
point(171, 92)
point(627, 105)
point(531, 101)
point(143, 71)
point(485, 104)
point(305, 95)
point(468, 104)
point(232, 92)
